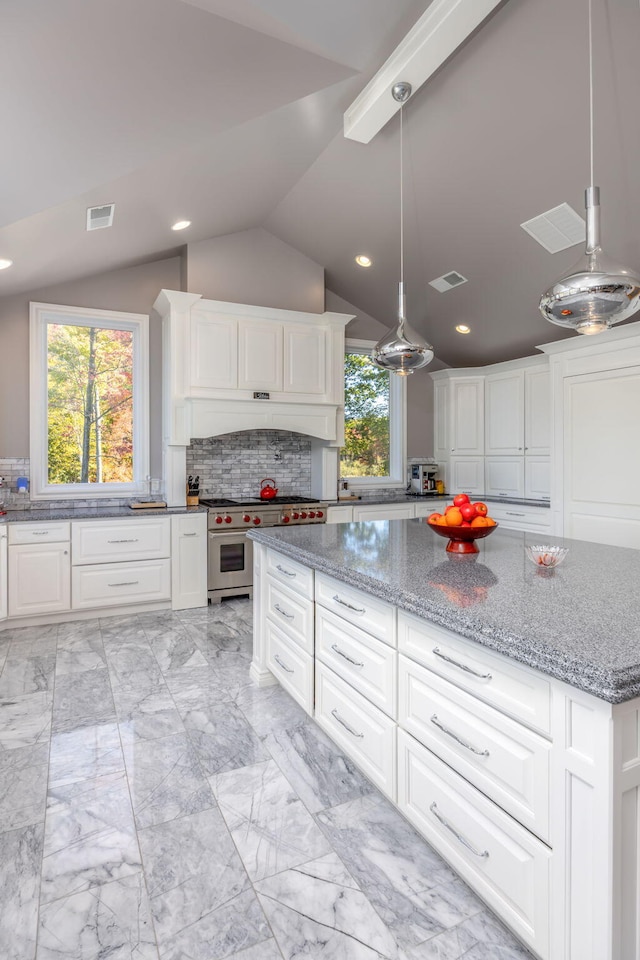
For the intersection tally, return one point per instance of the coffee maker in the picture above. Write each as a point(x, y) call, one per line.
point(422, 478)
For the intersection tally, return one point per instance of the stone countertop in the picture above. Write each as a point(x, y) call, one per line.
point(93, 513)
point(406, 498)
point(579, 622)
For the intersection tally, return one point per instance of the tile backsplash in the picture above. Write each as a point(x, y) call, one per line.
point(233, 465)
point(13, 467)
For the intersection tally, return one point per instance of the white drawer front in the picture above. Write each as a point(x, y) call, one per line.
point(369, 613)
point(507, 866)
point(113, 541)
point(112, 584)
point(292, 613)
point(500, 756)
point(495, 679)
point(296, 576)
point(367, 664)
point(359, 728)
point(39, 532)
point(512, 516)
point(292, 667)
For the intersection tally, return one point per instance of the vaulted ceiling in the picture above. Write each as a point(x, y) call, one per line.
point(229, 113)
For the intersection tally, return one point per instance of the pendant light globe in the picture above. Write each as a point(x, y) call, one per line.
point(401, 350)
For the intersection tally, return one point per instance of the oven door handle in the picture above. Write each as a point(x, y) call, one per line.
point(226, 534)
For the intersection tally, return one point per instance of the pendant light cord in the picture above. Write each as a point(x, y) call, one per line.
point(590, 92)
point(402, 196)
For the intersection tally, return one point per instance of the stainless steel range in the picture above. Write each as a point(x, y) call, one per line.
point(230, 552)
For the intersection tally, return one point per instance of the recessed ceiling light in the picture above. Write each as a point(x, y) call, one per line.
point(463, 328)
point(363, 261)
point(5, 263)
point(181, 225)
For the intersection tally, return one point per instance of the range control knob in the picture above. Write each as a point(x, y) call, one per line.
point(218, 519)
point(257, 520)
point(247, 518)
point(286, 518)
point(295, 515)
point(303, 515)
point(227, 519)
point(319, 513)
point(312, 514)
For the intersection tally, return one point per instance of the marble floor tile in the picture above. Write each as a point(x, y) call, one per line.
point(482, 937)
point(25, 720)
point(317, 910)
point(414, 891)
point(269, 824)
point(20, 857)
point(233, 670)
point(4, 649)
point(90, 836)
point(23, 786)
point(174, 649)
point(117, 631)
point(192, 868)
point(166, 780)
point(133, 664)
point(195, 687)
point(267, 950)
point(33, 641)
point(80, 650)
point(269, 708)
point(85, 753)
point(109, 920)
point(222, 738)
point(82, 699)
point(321, 775)
point(22, 675)
point(146, 715)
point(226, 931)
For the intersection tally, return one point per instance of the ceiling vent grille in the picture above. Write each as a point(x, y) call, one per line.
point(557, 229)
point(448, 281)
point(99, 217)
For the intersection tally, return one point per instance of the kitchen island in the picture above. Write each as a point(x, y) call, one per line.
point(495, 703)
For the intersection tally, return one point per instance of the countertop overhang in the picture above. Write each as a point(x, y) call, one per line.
point(579, 623)
point(93, 513)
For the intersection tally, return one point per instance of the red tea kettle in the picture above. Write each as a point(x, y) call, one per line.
point(270, 491)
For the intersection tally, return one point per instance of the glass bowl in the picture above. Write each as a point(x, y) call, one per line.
point(546, 556)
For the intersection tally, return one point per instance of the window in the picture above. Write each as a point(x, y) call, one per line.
point(374, 417)
point(89, 402)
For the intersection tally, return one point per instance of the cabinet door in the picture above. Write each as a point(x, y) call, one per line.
point(380, 511)
point(467, 416)
point(537, 424)
point(466, 475)
point(188, 561)
point(504, 476)
point(305, 359)
point(441, 419)
point(3, 575)
point(214, 353)
point(39, 579)
point(537, 478)
point(259, 355)
point(339, 514)
point(504, 413)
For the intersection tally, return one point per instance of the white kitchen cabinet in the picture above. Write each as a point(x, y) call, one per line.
point(260, 355)
point(306, 370)
point(441, 420)
point(384, 511)
point(422, 508)
point(466, 475)
point(117, 541)
point(214, 353)
point(514, 516)
point(504, 413)
point(39, 578)
point(119, 584)
point(504, 476)
point(466, 416)
point(339, 514)
point(537, 411)
point(537, 478)
point(188, 561)
point(4, 605)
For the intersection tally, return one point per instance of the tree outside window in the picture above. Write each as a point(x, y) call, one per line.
point(366, 452)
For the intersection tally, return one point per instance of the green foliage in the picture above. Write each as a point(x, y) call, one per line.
point(366, 449)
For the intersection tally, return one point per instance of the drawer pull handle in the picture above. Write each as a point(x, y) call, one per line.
point(463, 840)
point(39, 533)
point(283, 613)
point(354, 733)
point(287, 573)
point(337, 649)
point(454, 736)
point(344, 603)
point(510, 513)
point(125, 583)
point(282, 664)
point(189, 534)
point(461, 666)
point(131, 540)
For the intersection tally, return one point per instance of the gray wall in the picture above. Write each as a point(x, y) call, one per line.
point(253, 266)
point(419, 384)
point(132, 290)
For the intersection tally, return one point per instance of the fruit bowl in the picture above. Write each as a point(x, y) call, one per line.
point(461, 539)
point(545, 556)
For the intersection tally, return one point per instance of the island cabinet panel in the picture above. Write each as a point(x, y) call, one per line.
point(366, 663)
point(290, 665)
point(365, 733)
point(515, 690)
point(369, 613)
point(292, 613)
point(504, 759)
point(501, 860)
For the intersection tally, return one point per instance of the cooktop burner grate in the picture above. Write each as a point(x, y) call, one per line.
point(215, 504)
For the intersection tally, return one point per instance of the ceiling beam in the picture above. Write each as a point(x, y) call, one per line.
point(441, 29)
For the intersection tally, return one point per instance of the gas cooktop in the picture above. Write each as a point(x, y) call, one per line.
point(216, 504)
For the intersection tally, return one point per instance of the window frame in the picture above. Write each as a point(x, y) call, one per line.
point(397, 427)
point(41, 314)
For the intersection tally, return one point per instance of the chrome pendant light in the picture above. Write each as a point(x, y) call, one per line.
point(401, 350)
point(597, 292)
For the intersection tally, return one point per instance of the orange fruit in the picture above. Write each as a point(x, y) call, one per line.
point(479, 522)
point(490, 522)
point(442, 521)
point(454, 517)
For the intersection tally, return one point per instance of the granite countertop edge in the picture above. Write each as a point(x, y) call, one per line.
point(94, 513)
point(608, 685)
point(408, 498)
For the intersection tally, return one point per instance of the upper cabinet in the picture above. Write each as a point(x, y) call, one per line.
point(459, 415)
point(214, 353)
point(537, 411)
point(260, 355)
point(504, 413)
